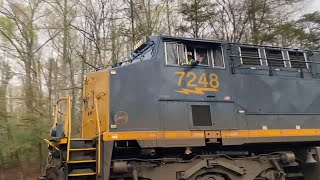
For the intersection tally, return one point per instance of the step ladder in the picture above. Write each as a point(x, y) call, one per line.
point(82, 159)
point(83, 155)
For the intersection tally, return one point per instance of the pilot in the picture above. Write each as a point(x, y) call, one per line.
point(191, 61)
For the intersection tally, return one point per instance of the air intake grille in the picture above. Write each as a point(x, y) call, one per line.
point(295, 57)
point(201, 115)
point(250, 56)
point(275, 58)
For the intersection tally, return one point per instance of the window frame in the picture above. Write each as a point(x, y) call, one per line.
point(285, 60)
point(306, 59)
point(265, 57)
point(209, 54)
point(185, 53)
point(177, 51)
point(223, 60)
point(166, 52)
point(138, 58)
point(260, 57)
point(240, 53)
point(195, 57)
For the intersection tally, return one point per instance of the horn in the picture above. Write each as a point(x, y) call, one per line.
point(310, 159)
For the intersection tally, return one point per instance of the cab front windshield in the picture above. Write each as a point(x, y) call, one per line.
point(143, 52)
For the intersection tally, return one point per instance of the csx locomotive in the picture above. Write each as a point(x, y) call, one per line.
point(242, 112)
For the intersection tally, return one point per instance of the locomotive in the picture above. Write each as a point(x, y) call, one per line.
point(241, 112)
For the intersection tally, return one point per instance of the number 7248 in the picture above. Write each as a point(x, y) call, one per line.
point(211, 81)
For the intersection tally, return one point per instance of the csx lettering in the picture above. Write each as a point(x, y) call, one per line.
point(192, 81)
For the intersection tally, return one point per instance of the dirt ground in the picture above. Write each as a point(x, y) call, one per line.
point(25, 172)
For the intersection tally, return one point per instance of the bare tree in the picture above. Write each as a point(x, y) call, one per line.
point(21, 35)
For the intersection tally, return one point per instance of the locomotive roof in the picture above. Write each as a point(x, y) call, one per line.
point(227, 42)
point(188, 39)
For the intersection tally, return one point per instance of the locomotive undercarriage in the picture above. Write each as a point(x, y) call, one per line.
point(212, 164)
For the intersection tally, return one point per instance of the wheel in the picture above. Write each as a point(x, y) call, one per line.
point(210, 177)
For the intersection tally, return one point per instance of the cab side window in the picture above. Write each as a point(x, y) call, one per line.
point(175, 53)
point(182, 53)
point(193, 55)
point(203, 54)
point(218, 59)
point(171, 53)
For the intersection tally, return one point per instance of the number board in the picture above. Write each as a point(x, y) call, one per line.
point(192, 83)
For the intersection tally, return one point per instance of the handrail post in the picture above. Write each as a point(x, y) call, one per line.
point(55, 119)
point(69, 126)
point(99, 136)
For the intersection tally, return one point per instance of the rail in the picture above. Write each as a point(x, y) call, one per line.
point(98, 133)
point(68, 122)
point(268, 59)
point(276, 59)
point(67, 119)
point(67, 115)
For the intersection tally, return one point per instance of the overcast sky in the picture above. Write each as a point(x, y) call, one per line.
point(315, 5)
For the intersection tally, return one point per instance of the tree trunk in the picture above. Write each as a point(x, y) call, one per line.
point(49, 86)
point(65, 42)
point(132, 23)
point(28, 84)
point(168, 17)
point(196, 28)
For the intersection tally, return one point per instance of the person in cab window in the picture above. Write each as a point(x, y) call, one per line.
point(191, 60)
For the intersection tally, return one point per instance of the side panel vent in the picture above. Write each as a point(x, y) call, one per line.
point(275, 58)
point(297, 59)
point(201, 115)
point(250, 56)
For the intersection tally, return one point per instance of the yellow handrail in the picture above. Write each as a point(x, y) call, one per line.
point(51, 144)
point(67, 116)
point(69, 125)
point(67, 120)
point(99, 136)
point(55, 120)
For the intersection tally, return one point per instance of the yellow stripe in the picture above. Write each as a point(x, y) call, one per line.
point(224, 134)
point(80, 139)
point(83, 174)
point(81, 161)
point(149, 135)
point(269, 133)
point(83, 149)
